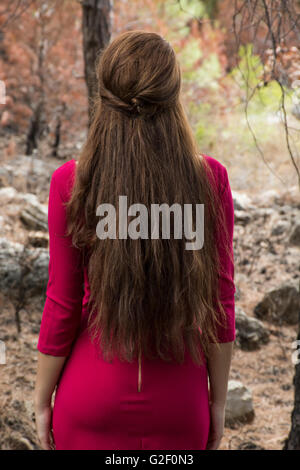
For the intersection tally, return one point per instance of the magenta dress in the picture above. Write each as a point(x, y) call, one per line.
point(98, 404)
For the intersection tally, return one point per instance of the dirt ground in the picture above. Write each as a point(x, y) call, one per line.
point(268, 373)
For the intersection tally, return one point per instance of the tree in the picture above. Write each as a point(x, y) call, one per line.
point(280, 21)
point(293, 440)
point(96, 30)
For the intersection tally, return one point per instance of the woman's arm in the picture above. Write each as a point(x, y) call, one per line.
point(220, 354)
point(218, 366)
point(48, 372)
point(63, 306)
point(62, 310)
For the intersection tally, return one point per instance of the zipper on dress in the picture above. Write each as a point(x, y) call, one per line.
point(140, 371)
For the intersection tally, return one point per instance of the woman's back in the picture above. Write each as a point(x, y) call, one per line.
point(134, 313)
point(95, 398)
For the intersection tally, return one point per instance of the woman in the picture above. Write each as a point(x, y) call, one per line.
point(133, 327)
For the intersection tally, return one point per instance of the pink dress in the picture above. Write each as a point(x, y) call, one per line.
point(97, 404)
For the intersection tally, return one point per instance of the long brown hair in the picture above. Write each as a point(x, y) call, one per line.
point(146, 293)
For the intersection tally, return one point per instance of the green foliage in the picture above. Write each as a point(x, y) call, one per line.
point(249, 71)
point(261, 96)
point(205, 131)
point(270, 95)
point(186, 8)
point(179, 13)
point(209, 72)
point(204, 74)
point(190, 54)
point(192, 8)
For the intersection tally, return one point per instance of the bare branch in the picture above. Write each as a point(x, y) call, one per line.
point(281, 19)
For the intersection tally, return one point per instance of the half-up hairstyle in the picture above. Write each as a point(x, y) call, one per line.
point(146, 294)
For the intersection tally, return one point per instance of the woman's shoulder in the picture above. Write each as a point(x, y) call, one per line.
point(218, 169)
point(64, 178)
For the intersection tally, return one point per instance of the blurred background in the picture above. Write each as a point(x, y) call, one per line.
point(240, 63)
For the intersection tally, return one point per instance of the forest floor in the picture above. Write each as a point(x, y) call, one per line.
point(267, 372)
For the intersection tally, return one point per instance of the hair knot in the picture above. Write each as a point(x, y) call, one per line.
point(134, 108)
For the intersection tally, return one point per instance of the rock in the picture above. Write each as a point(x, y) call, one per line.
point(295, 235)
point(262, 213)
point(35, 281)
point(29, 198)
point(17, 442)
point(266, 198)
point(10, 269)
point(28, 174)
point(241, 217)
point(280, 227)
point(7, 194)
point(239, 406)
point(272, 197)
point(285, 209)
point(18, 406)
point(38, 239)
point(19, 264)
point(35, 215)
point(280, 305)
point(241, 201)
point(249, 445)
point(251, 333)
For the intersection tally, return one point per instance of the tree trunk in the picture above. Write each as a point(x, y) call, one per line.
point(34, 130)
point(57, 132)
point(96, 29)
point(293, 441)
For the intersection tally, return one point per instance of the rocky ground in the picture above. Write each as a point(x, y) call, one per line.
point(266, 245)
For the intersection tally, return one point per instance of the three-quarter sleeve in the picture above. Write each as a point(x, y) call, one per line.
point(62, 310)
point(226, 331)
